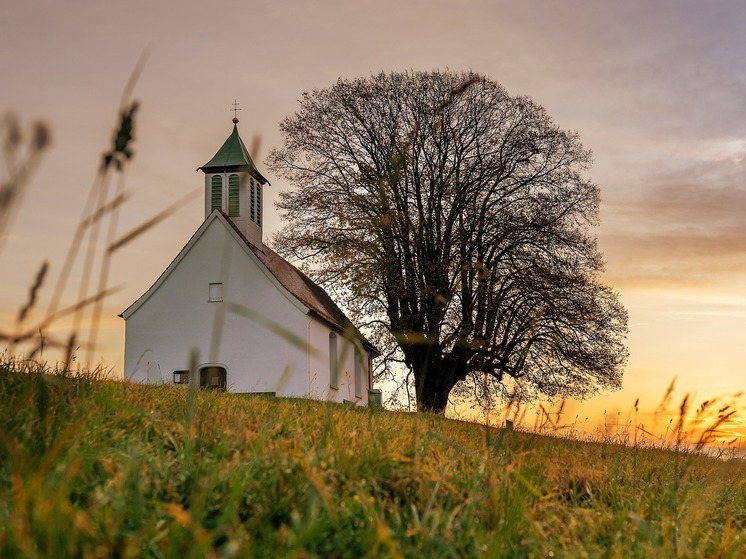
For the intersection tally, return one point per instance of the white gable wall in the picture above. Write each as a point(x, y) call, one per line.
point(177, 318)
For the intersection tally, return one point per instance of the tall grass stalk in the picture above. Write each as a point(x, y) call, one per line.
point(94, 243)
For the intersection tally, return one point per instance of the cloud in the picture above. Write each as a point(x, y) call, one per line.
point(685, 227)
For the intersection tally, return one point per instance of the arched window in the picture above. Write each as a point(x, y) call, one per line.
point(333, 363)
point(217, 192)
point(358, 374)
point(233, 207)
point(213, 378)
point(251, 181)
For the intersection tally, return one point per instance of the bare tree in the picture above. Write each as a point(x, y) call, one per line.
point(456, 218)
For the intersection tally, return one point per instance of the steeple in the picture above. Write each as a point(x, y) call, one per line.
point(234, 185)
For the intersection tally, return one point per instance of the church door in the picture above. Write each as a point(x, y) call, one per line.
point(214, 378)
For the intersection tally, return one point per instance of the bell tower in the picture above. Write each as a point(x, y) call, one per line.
point(235, 186)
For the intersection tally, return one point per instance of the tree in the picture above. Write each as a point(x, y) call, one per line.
point(456, 218)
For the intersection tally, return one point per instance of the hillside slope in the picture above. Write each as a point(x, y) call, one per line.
point(107, 469)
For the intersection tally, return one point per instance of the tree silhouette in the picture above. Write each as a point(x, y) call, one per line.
point(456, 218)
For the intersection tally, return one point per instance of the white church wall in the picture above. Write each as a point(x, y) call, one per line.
point(320, 367)
point(257, 350)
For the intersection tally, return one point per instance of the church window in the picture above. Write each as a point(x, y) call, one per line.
point(216, 292)
point(233, 207)
point(252, 199)
point(181, 377)
point(217, 192)
point(258, 204)
point(333, 363)
point(358, 374)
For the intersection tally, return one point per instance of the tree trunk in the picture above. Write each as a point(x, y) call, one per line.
point(433, 384)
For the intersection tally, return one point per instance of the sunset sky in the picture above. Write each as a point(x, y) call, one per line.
point(657, 89)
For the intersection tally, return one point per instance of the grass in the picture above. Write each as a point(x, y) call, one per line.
point(96, 468)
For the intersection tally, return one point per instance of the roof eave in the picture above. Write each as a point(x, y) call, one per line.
point(233, 168)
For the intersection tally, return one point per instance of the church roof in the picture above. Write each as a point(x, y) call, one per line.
point(302, 287)
point(233, 156)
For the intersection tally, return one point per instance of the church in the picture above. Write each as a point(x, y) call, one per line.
point(229, 313)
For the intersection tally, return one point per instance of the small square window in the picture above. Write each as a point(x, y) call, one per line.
point(181, 377)
point(216, 292)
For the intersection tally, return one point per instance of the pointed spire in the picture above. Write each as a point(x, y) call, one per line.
point(233, 156)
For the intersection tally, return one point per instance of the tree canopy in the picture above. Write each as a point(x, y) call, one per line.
point(457, 219)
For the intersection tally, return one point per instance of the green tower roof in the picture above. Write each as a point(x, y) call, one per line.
point(233, 156)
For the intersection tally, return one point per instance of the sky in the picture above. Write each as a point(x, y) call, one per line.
point(655, 88)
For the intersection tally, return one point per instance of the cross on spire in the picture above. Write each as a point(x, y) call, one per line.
point(235, 110)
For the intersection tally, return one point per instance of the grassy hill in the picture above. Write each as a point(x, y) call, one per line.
point(93, 468)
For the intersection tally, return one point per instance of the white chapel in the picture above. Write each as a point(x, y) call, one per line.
point(229, 313)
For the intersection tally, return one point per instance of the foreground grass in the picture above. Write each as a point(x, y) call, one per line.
point(106, 469)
